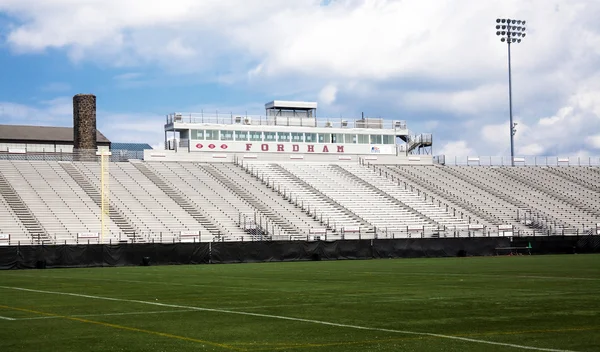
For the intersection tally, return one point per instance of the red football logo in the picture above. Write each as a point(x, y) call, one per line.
point(199, 146)
point(211, 146)
point(223, 146)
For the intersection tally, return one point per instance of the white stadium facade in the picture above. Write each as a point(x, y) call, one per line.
point(285, 175)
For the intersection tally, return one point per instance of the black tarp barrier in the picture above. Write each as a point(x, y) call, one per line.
point(93, 255)
point(438, 247)
point(252, 252)
point(560, 244)
point(71, 256)
point(8, 257)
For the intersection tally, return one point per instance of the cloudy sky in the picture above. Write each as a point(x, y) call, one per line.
point(435, 63)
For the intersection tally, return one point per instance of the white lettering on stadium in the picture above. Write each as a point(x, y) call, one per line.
point(310, 148)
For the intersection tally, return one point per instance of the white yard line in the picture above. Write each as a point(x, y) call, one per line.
point(6, 318)
point(279, 317)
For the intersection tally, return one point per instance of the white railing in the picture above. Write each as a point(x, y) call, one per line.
point(380, 233)
point(519, 160)
point(299, 121)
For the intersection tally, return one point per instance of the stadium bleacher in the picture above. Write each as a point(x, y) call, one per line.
point(54, 201)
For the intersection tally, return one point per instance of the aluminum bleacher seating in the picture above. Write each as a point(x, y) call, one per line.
point(54, 201)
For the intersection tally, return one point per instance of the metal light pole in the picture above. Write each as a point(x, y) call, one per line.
point(510, 32)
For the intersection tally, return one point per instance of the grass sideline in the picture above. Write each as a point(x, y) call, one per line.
point(536, 303)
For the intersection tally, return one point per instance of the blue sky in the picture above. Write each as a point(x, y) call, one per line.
point(435, 63)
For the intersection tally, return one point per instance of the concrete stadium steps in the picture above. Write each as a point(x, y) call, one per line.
point(369, 204)
point(16, 219)
point(84, 208)
point(451, 203)
point(291, 219)
point(206, 224)
point(244, 212)
point(11, 224)
point(577, 175)
point(35, 201)
point(427, 207)
point(549, 206)
point(308, 198)
point(115, 214)
point(226, 207)
point(222, 208)
point(564, 190)
point(347, 174)
point(498, 208)
point(160, 213)
point(550, 213)
point(496, 185)
point(222, 201)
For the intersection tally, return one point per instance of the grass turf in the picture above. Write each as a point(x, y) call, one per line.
point(544, 302)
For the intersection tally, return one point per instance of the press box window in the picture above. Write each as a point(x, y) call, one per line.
point(388, 139)
point(255, 136)
point(350, 138)
point(297, 137)
point(226, 135)
point(324, 138)
point(310, 137)
point(337, 138)
point(363, 139)
point(269, 136)
point(212, 135)
point(197, 134)
point(375, 139)
point(283, 136)
point(241, 135)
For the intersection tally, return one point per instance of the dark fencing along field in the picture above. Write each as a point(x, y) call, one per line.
point(72, 256)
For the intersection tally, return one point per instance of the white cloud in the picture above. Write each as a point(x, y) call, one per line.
point(569, 131)
point(132, 127)
point(457, 148)
point(328, 94)
point(432, 57)
point(46, 113)
point(495, 134)
point(371, 39)
point(593, 141)
point(469, 101)
point(531, 149)
point(117, 127)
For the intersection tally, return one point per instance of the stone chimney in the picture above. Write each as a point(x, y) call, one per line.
point(84, 122)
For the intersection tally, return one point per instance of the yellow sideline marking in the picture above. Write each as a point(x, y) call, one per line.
point(531, 331)
point(295, 319)
point(331, 344)
point(282, 346)
point(121, 327)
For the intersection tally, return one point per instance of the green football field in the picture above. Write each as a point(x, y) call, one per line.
point(529, 303)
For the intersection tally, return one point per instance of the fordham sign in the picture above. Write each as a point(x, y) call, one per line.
point(221, 146)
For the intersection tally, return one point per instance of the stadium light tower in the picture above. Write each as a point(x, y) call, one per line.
point(510, 32)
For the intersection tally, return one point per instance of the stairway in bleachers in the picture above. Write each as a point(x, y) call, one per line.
point(546, 185)
point(265, 209)
point(294, 200)
point(34, 229)
point(114, 213)
point(565, 174)
point(182, 201)
point(304, 188)
point(454, 203)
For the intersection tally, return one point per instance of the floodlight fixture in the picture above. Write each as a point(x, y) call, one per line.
point(512, 33)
